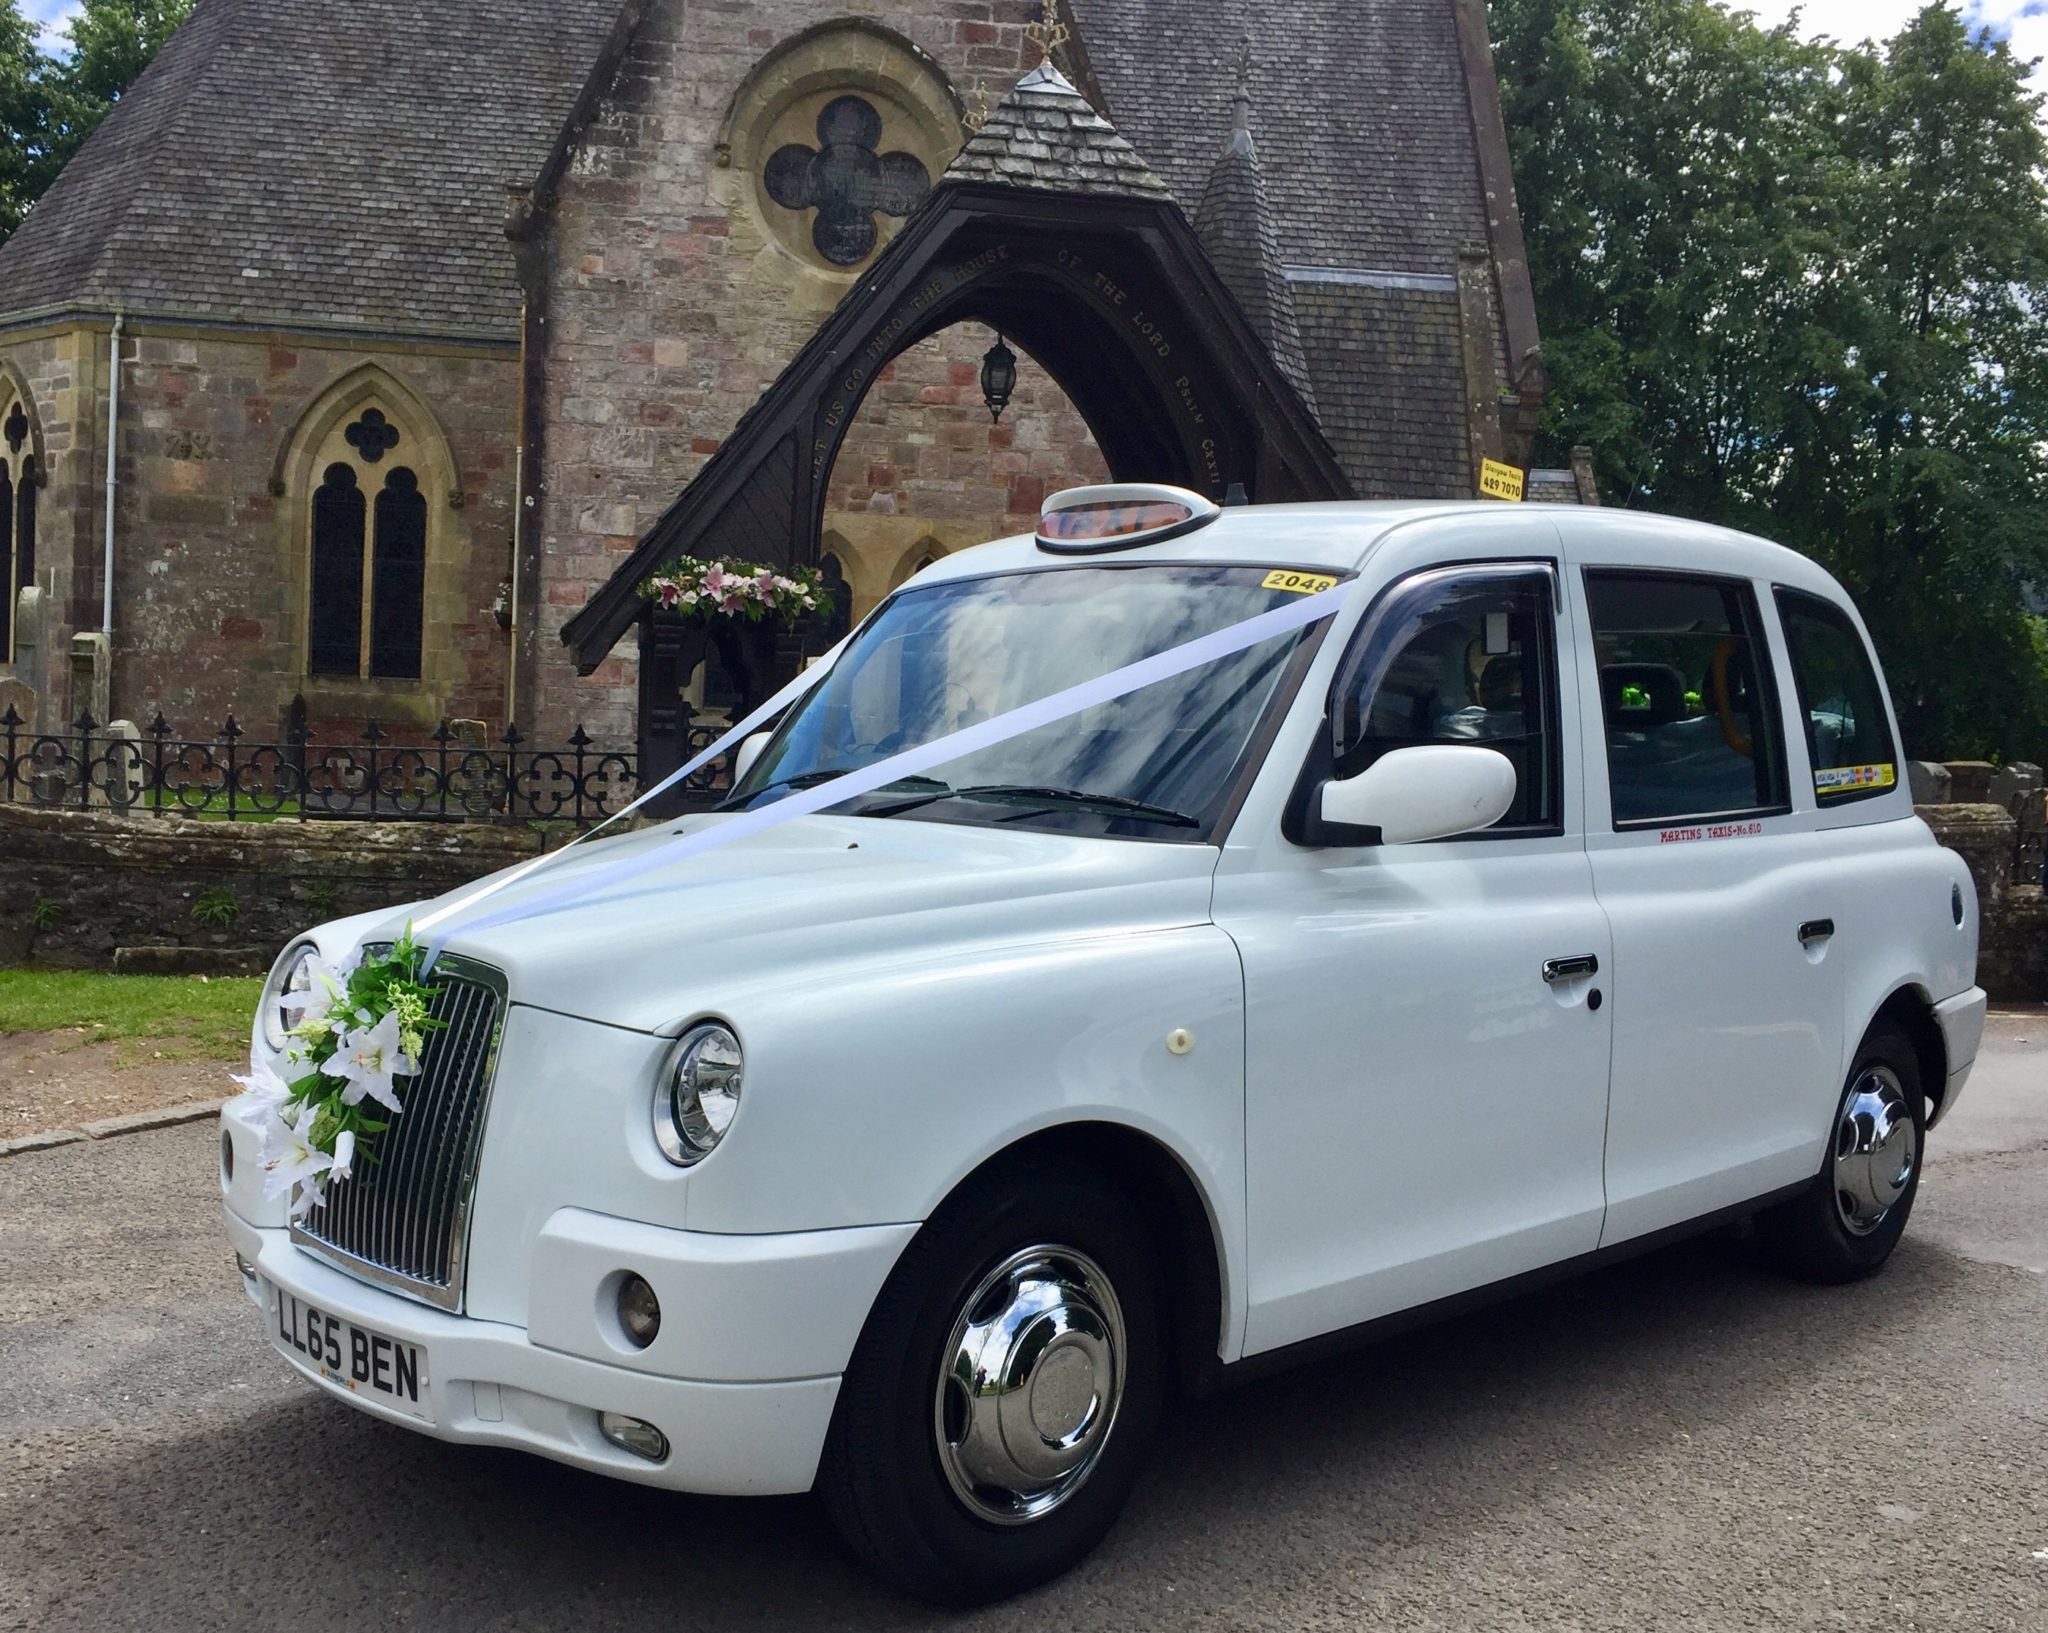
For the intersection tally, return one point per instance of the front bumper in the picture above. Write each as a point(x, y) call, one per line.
point(490, 1383)
point(1961, 1020)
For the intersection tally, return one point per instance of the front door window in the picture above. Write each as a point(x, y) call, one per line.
point(1462, 656)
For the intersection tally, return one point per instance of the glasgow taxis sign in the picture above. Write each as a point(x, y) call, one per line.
point(1498, 481)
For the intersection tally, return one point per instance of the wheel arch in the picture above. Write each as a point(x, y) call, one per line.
point(1186, 1229)
point(1911, 1010)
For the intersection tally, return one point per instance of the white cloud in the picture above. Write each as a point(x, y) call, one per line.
point(51, 18)
point(2023, 22)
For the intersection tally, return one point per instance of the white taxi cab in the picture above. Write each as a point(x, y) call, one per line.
point(1557, 892)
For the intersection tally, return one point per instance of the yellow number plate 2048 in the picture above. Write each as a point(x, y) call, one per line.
point(1284, 578)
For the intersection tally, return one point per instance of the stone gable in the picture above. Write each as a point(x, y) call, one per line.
point(677, 292)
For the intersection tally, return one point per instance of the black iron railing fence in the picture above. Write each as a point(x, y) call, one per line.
point(450, 777)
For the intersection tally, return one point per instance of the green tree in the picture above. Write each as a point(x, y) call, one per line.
point(112, 41)
point(1800, 289)
point(50, 103)
point(24, 117)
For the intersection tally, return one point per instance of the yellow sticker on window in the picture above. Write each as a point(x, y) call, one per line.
point(1284, 578)
point(1841, 779)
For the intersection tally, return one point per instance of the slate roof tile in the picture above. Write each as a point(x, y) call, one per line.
point(1364, 130)
point(1390, 386)
point(1044, 134)
point(316, 160)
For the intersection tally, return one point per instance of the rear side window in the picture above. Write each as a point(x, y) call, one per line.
point(1692, 723)
point(1848, 733)
point(1462, 655)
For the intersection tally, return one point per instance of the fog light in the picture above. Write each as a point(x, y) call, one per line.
point(632, 1435)
point(227, 1158)
point(639, 1311)
point(247, 1269)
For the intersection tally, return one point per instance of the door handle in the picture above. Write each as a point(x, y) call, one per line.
point(1815, 930)
point(1570, 969)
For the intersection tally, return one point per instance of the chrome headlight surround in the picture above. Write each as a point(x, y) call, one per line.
point(293, 972)
point(698, 1093)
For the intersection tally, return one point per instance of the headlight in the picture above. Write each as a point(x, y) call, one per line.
point(699, 1095)
point(292, 973)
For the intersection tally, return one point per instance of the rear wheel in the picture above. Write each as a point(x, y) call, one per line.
point(1845, 1224)
point(999, 1404)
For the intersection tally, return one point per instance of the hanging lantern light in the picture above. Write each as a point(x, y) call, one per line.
point(998, 378)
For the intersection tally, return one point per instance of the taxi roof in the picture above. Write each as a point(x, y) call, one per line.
point(1342, 535)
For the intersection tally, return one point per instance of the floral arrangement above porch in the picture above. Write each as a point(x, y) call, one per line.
point(737, 589)
point(355, 1035)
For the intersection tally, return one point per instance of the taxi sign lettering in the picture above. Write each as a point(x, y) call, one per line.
point(1284, 578)
point(1498, 481)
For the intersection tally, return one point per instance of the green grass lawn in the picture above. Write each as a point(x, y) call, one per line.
point(173, 1017)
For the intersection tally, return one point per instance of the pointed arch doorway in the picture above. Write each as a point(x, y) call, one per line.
point(1109, 291)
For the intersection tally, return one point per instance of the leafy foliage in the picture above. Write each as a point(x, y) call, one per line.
point(325, 1106)
point(50, 102)
point(1803, 289)
point(216, 906)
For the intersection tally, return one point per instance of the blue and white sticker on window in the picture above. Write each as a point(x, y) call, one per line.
point(1845, 779)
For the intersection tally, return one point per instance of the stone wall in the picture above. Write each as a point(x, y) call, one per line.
point(57, 373)
point(676, 294)
point(81, 891)
point(924, 469)
point(2012, 958)
point(211, 527)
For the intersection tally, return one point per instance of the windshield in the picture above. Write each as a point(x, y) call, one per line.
point(1158, 763)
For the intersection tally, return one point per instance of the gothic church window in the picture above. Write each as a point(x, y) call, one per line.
point(19, 479)
point(366, 618)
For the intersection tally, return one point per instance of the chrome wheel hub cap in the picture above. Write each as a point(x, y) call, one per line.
point(1029, 1384)
point(1876, 1148)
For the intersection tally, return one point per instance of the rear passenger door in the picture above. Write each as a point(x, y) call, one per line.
point(1726, 1005)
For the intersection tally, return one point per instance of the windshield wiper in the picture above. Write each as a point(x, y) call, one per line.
point(807, 779)
point(811, 779)
point(1033, 794)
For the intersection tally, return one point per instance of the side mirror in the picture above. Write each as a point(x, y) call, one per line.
point(746, 754)
point(1431, 791)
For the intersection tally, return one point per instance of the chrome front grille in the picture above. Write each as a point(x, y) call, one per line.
point(402, 1219)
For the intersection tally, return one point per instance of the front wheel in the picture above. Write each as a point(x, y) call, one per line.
point(1000, 1401)
point(1845, 1224)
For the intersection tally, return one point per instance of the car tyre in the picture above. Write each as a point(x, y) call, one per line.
point(1042, 1284)
point(1844, 1225)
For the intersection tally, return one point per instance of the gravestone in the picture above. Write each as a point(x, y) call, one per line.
point(121, 784)
point(473, 774)
point(92, 674)
point(1970, 781)
point(19, 696)
point(2013, 784)
point(29, 658)
point(1929, 781)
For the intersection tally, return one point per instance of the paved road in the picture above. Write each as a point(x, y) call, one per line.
point(1682, 1441)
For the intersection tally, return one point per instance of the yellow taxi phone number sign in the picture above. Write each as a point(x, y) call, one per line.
point(1498, 481)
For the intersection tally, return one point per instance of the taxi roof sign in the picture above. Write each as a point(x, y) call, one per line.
point(1120, 516)
point(1498, 481)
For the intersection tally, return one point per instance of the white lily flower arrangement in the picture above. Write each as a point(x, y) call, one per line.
point(356, 1034)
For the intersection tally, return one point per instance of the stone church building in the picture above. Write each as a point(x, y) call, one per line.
point(363, 345)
